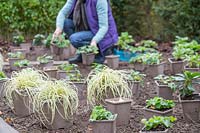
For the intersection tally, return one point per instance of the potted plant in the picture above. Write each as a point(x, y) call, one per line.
point(20, 88)
point(193, 63)
point(3, 79)
point(102, 121)
point(136, 63)
point(158, 106)
point(45, 61)
point(190, 100)
point(88, 54)
point(55, 104)
point(154, 62)
point(157, 124)
point(165, 86)
point(77, 79)
point(13, 57)
point(121, 107)
point(21, 64)
point(136, 80)
point(61, 46)
point(38, 43)
point(106, 84)
point(64, 69)
point(112, 61)
point(20, 41)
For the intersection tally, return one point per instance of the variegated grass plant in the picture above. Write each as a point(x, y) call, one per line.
point(24, 83)
point(53, 94)
point(107, 83)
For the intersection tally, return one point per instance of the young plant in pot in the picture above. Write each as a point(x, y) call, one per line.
point(154, 62)
point(157, 124)
point(98, 67)
point(193, 63)
point(13, 57)
point(102, 120)
point(165, 86)
point(190, 100)
point(158, 106)
point(136, 80)
point(178, 61)
point(136, 63)
point(20, 41)
point(149, 43)
point(88, 54)
point(21, 64)
point(106, 84)
point(45, 61)
point(20, 89)
point(38, 43)
point(61, 46)
point(65, 69)
point(124, 40)
point(3, 79)
point(55, 104)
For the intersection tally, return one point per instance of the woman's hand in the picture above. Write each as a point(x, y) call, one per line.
point(57, 33)
point(93, 43)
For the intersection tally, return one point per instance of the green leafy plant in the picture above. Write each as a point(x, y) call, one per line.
point(158, 103)
point(38, 40)
point(181, 41)
point(100, 113)
point(107, 82)
point(75, 77)
point(151, 58)
point(47, 41)
point(186, 83)
point(22, 63)
point(124, 40)
point(61, 42)
point(137, 59)
point(136, 76)
point(88, 49)
point(2, 75)
point(158, 121)
point(24, 83)
point(193, 61)
point(45, 59)
point(67, 67)
point(181, 53)
point(166, 80)
point(55, 94)
point(98, 67)
point(18, 39)
point(149, 43)
point(18, 55)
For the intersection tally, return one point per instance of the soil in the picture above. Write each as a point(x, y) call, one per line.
point(192, 97)
point(80, 125)
point(162, 110)
point(159, 128)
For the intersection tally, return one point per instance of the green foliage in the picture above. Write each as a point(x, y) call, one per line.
point(22, 63)
point(18, 39)
point(29, 17)
point(167, 80)
point(136, 76)
point(75, 77)
point(44, 59)
point(18, 55)
point(38, 40)
point(98, 67)
point(181, 17)
point(158, 103)
point(2, 75)
point(151, 58)
point(61, 42)
point(47, 41)
point(157, 121)
point(181, 53)
point(67, 67)
point(193, 61)
point(124, 40)
point(185, 82)
point(88, 49)
point(149, 43)
point(100, 113)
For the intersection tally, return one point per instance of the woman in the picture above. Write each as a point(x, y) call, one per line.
point(88, 22)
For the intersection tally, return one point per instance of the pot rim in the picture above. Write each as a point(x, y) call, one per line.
point(157, 111)
point(104, 121)
point(116, 101)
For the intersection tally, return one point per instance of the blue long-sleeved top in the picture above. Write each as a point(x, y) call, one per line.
point(102, 12)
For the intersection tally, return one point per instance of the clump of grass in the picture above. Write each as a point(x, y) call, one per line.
point(105, 83)
point(53, 94)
